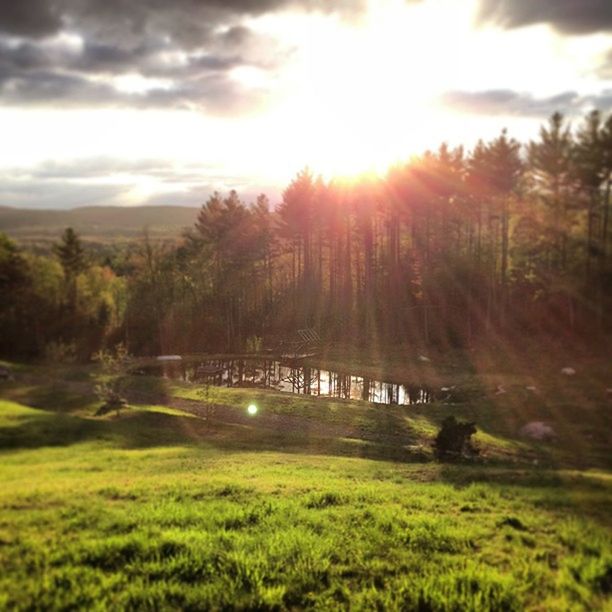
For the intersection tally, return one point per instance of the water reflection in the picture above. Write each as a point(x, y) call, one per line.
point(292, 378)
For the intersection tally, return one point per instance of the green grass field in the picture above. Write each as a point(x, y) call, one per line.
point(313, 503)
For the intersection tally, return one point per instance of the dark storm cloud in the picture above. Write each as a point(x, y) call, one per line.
point(567, 16)
point(17, 59)
point(29, 17)
point(48, 73)
point(192, 44)
point(236, 35)
point(190, 21)
point(213, 93)
point(508, 102)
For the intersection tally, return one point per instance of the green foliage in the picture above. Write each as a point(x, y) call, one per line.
point(113, 366)
point(502, 242)
point(449, 247)
point(112, 361)
point(12, 265)
point(254, 344)
point(47, 278)
point(58, 351)
point(54, 308)
point(209, 406)
point(71, 256)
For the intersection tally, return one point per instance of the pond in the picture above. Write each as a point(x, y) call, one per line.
point(291, 377)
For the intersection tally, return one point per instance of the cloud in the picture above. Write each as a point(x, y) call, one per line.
point(50, 194)
point(567, 16)
point(35, 73)
point(213, 93)
point(198, 194)
point(189, 21)
point(70, 51)
point(29, 18)
point(507, 102)
point(602, 101)
point(17, 59)
point(191, 196)
point(92, 167)
point(109, 181)
point(604, 70)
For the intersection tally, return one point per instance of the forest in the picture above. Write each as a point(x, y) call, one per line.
point(507, 240)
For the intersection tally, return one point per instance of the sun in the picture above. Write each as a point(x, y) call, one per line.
point(363, 96)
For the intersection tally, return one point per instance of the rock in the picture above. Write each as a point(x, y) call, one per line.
point(531, 388)
point(538, 430)
point(568, 371)
point(500, 390)
point(424, 359)
point(169, 358)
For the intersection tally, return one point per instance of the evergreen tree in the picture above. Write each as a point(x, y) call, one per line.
point(296, 214)
point(71, 256)
point(590, 172)
point(550, 161)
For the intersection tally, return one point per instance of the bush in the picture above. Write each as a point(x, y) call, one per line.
point(111, 398)
point(58, 351)
point(254, 344)
point(454, 439)
point(113, 364)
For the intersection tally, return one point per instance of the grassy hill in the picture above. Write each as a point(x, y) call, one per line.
point(313, 503)
point(96, 223)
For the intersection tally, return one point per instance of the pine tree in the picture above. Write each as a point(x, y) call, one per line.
point(550, 161)
point(71, 255)
point(296, 214)
point(589, 165)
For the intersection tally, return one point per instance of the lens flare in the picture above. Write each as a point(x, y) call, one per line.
point(252, 409)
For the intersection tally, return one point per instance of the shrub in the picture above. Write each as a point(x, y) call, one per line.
point(254, 344)
point(58, 351)
point(454, 439)
point(113, 364)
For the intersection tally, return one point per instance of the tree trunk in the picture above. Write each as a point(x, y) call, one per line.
point(504, 258)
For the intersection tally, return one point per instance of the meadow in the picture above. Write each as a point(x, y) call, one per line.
point(312, 503)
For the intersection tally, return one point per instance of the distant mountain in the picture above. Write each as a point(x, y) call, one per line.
point(97, 221)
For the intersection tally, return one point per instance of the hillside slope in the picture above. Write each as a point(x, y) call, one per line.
point(96, 221)
point(163, 508)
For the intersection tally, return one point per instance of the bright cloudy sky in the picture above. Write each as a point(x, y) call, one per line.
point(130, 102)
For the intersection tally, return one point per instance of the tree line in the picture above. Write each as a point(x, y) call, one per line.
point(450, 247)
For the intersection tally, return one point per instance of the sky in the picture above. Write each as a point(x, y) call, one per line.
point(131, 102)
